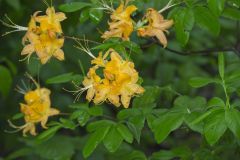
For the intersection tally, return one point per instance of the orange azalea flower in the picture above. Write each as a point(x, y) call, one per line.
point(36, 110)
point(156, 27)
point(121, 25)
point(118, 84)
point(45, 39)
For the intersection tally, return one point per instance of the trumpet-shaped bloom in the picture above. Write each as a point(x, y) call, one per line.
point(123, 79)
point(118, 83)
point(90, 82)
point(46, 38)
point(36, 110)
point(156, 27)
point(121, 25)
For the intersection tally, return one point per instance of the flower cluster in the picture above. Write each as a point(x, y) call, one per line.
point(122, 25)
point(156, 27)
point(119, 82)
point(36, 109)
point(46, 38)
point(111, 78)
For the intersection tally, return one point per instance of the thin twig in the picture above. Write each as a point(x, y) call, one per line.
point(199, 52)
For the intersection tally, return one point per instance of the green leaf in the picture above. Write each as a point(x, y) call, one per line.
point(127, 113)
point(165, 124)
point(150, 119)
point(232, 117)
point(184, 22)
point(198, 82)
point(184, 103)
point(97, 124)
point(216, 6)
point(133, 47)
point(81, 106)
point(96, 15)
point(67, 77)
point(221, 65)
point(56, 148)
point(206, 20)
point(232, 13)
point(134, 155)
point(67, 123)
point(73, 6)
point(113, 139)
point(94, 140)
point(84, 16)
point(50, 132)
point(189, 118)
point(5, 81)
point(96, 111)
point(148, 99)
point(216, 102)
point(205, 115)
point(136, 124)
point(17, 116)
point(104, 46)
point(19, 153)
point(81, 116)
point(163, 155)
point(125, 133)
point(215, 126)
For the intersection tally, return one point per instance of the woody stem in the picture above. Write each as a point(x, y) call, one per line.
point(198, 52)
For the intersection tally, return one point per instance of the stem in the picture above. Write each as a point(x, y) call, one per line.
point(226, 94)
point(199, 52)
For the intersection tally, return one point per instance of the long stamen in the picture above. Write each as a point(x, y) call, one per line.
point(27, 57)
point(24, 85)
point(78, 92)
point(20, 90)
point(84, 48)
point(105, 6)
point(80, 39)
point(127, 2)
point(11, 24)
point(16, 127)
point(169, 5)
point(34, 81)
point(46, 3)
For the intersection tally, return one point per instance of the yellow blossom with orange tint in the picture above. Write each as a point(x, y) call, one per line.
point(121, 24)
point(46, 38)
point(118, 83)
point(36, 109)
point(156, 27)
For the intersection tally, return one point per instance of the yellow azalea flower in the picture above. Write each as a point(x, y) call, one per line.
point(37, 109)
point(156, 27)
point(100, 60)
point(90, 83)
point(31, 39)
point(123, 79)
point(121, 25)
point(118, 83)
point(46, 38)
point(37, 112)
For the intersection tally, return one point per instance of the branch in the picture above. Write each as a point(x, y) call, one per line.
point(235, 49)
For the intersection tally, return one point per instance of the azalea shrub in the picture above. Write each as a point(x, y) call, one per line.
point(120, 79)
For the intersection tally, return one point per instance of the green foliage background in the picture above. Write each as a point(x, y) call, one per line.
point(184, 114)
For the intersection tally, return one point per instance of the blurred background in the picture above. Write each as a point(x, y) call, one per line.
point(156, 66)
